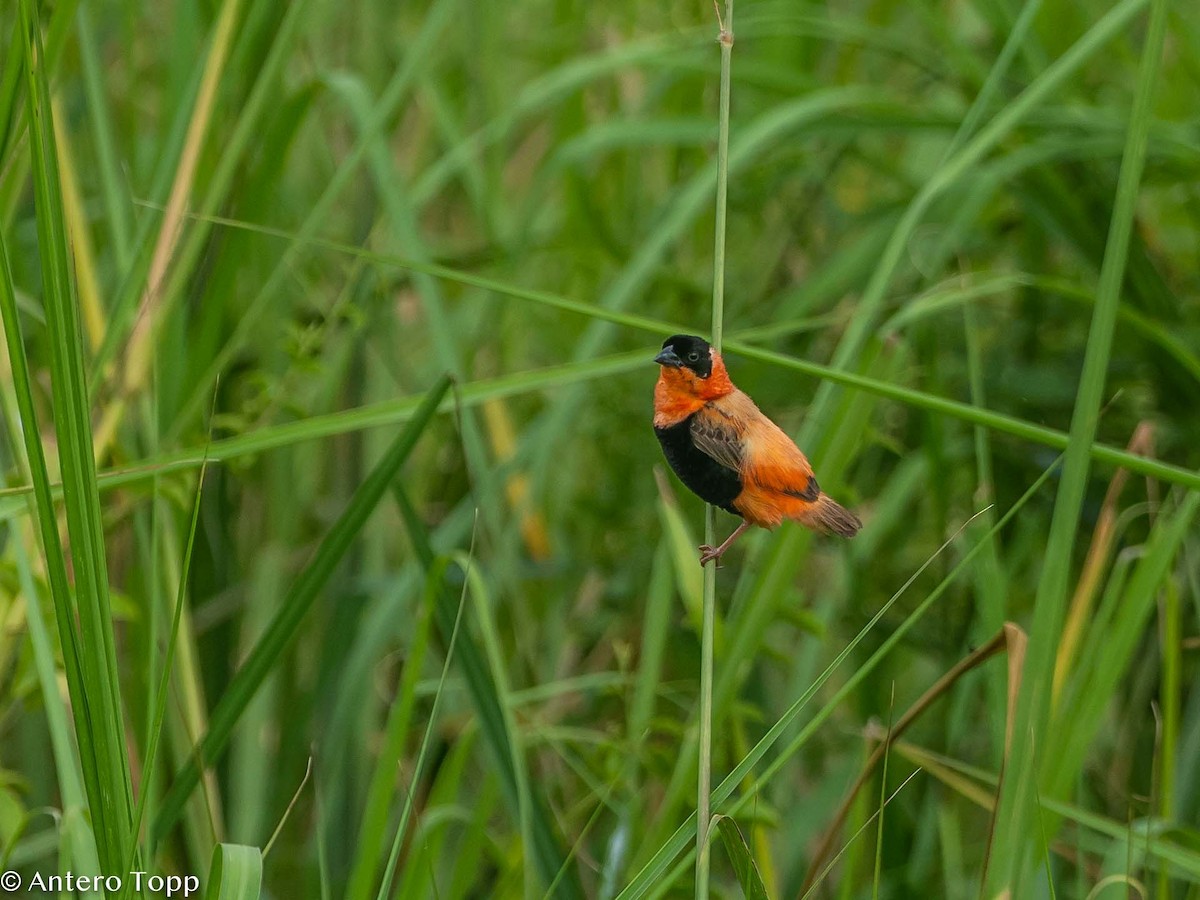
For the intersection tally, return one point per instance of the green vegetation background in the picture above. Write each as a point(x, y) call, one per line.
point(463, 648)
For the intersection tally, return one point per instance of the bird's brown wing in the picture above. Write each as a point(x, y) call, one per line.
point(717, 434)
point(734, 431)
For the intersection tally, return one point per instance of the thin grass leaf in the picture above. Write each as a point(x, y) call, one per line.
point(435, 586)
point(372, 829)
point(744, 866)
point(99, 716)
point(390, 412)
point(274, 436)
point(150, 758)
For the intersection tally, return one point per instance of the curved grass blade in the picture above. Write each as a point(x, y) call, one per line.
point(744, 866)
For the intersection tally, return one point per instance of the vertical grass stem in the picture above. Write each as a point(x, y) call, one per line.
point(704, 779)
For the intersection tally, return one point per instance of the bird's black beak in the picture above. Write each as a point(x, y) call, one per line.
point(668, 357)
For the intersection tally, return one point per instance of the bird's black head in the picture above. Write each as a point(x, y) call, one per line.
point(686, 351)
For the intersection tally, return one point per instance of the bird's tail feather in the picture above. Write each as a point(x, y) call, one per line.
point(830, 517)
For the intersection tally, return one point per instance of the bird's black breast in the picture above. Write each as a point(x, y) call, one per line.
point(704, 476)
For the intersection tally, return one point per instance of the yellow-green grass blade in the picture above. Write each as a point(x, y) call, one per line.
point(392, 411)
point(304, 592)
point(11, 122)
point(1107, 656)
point(381, 414)
point(1034, 745)
point(99, 717)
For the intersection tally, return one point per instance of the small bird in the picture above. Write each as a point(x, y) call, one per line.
point(731, 455)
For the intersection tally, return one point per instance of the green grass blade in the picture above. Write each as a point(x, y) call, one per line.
point(150, 758)
point(303, 594)
point(1012, 839)
point(116, 202)
point(235, 873)
point(103, 737)
point(743, 861)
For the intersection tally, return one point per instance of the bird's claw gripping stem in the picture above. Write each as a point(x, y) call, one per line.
point(708, 553)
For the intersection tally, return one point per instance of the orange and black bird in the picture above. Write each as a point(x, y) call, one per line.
point(731, 455)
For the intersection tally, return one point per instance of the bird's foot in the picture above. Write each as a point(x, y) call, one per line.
point(708, 553)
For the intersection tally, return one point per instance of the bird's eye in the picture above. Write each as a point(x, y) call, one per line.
point(693, 356)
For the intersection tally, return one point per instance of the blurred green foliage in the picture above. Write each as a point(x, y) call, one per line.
point(288, 221)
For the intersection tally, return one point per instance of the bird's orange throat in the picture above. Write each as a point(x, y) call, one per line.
point(681, 392)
